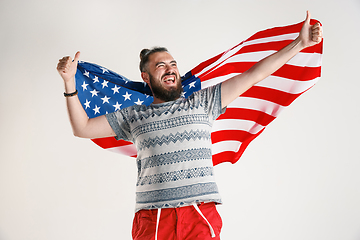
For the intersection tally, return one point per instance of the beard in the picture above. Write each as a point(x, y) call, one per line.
point(166, 94)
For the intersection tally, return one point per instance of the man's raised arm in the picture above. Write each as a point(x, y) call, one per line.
point(235, 86)
point(81, 125)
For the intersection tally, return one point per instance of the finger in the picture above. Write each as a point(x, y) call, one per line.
point(317, 36)
point(308, 17)
point(316, 26)
point(77, 57)
point(64, 64)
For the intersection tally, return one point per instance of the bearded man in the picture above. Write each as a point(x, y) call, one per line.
point(176, 192)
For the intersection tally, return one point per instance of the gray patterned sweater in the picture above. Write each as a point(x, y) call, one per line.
point(173, 142)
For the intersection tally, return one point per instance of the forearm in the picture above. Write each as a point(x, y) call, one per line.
point(77, 115)
point(272, 63)
point(81, 125)
point(237, 85)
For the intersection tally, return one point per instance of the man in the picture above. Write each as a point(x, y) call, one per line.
point(176, 191)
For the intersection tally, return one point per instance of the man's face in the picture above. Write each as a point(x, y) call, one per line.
point(164, 77)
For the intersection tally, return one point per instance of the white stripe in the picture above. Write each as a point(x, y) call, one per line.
point(247, 43)
point(237, 124)
point(267, 107)
point(289, 36)
point(273, 82)
point(217, 80)
point(287, 85)
point(306, 60)
point(232, 146)
point(128, 150)
point(299, 60)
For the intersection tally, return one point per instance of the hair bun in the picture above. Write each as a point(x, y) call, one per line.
point(143, 53)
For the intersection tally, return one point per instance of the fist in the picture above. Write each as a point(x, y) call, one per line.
point(67, 67)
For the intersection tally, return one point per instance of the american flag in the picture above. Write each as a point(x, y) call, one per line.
point(103, 91)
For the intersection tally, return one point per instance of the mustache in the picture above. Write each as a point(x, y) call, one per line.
point(168, 74)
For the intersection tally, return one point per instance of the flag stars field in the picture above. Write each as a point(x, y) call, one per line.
point(94, 92)
point(104, 70)
point(105, 99)
point(86, 73)
point(138, 102)
point(127, 96)
point(87, 104)
point(96, 109)
point(84, 86)
point(95, 79)
point(115, 89)
point(105, 84)
point(117, 106)
point(191, 85)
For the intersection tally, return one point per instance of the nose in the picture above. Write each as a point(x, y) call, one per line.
point(170, 69)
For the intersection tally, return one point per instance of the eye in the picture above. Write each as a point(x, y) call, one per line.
point(160, 65)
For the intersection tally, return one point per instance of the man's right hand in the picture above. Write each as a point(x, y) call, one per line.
point(67, 68)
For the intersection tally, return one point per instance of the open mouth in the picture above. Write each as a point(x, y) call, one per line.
point(170, 79)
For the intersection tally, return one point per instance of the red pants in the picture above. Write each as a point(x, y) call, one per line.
point(183, 223)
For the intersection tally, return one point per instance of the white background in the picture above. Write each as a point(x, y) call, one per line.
point(299, 180)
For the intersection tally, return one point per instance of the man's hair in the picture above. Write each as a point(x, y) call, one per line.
point(145, 54)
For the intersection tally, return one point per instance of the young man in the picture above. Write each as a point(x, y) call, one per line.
point(176, 192)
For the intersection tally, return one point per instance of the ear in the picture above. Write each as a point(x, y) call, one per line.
point(145, 77)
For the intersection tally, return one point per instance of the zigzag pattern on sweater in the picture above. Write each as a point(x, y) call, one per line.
point(175, 176)
point(171, 194)
point(174, 157)
point(170, 123)
point(178, 137)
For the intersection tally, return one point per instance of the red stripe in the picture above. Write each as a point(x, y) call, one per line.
point(230, 135)
point(272, 95)
point(269, 46)
point(287, 71)
point(110, 142)
point(233, 157)
point(247, 114)
point(205, 64)
point(276, 31)
point(271, 32)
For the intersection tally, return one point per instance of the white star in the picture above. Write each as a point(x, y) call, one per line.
point(104, 84)
point(126, 82)
point(147, 95)
point(86, 73)
point(87, 104)
point(117, 106)
point(104, 69)
point(94, 92)
point(192, 85)
point(127, 96)
point(96, 109)
point(84, 86)
point(96, 79)
point(138, 102)
point(115, 89)
point(105, 99)
point(183, 94)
